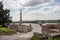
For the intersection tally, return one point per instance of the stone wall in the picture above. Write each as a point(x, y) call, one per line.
point(46, 27)
point(20, 28)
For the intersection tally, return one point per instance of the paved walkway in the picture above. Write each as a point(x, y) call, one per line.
point(18, 36)
point(23, 36)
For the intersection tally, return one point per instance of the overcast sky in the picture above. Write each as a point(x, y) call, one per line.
point(33, 9)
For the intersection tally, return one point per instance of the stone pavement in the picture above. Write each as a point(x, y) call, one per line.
point(23, 36)
point(18, 36)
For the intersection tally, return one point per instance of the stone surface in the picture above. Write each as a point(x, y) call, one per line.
point(20, 28)
point(23, 36)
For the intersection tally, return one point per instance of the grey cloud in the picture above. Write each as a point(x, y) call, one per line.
point(53, 13)
point(36, 2)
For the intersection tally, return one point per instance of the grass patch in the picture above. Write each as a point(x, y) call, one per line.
point(56, 37)
point(35, 38)
point(6, 31)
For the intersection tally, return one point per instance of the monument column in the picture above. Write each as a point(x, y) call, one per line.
point(20, 17)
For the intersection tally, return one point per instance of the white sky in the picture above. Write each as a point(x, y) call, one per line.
point(33, 9)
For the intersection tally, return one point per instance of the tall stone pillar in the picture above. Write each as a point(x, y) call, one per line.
point(20, 28)
point(20, 17)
